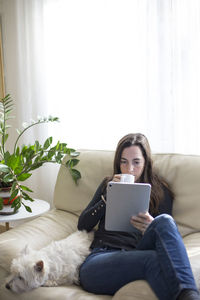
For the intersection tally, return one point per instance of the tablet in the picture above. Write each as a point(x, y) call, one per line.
point(125, 200)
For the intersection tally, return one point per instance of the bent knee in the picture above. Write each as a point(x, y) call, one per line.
point(93, 283)
point(164, 217)
point(164, 220)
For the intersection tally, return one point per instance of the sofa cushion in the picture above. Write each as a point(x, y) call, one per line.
point(51, 293)
point(94, 166)
point(141, 288)
point(192, 244)
point(182, 172)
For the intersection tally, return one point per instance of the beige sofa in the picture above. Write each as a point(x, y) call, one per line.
point(181, 171)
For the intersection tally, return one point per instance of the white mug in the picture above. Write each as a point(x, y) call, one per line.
point(127, 178)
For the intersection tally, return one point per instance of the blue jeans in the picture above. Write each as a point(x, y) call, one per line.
point(160, 258)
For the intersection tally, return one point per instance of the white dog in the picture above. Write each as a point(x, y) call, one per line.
point(53, 265)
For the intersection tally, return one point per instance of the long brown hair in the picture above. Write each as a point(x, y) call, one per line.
point(148, 174)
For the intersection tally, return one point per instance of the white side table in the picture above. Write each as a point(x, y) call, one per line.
point(38, 208)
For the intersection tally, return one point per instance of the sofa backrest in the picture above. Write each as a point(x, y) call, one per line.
point(182, 172)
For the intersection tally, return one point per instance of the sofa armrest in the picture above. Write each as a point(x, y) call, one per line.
point(54, 225)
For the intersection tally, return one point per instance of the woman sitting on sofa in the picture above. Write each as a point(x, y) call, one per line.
point(153, 251)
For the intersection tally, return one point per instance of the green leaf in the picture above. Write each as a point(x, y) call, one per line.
point(44, 159)
point(72, 162)
point(37, 146)
point(5, 137)
point(26, 196)
point(74, 154)
point(50, 155)
point(8, 178)
point(41, 153)
point(58, 158)
point(53, 119)
point(23, 149)
point(25, 188)
point(6, 156)
point(62, 146)
point(16, 203)
point(7, 111)
point(23, 177)
point(18, 170)
point(14, 194)
point(37, 159)
point(14, 186)
point(28, 208)
point(47, 143)
point(76, 175)
point(57, 146)
point(13, 161)
point(36, 166)
point(4, 168)
point(17, 151)
point(30, 153)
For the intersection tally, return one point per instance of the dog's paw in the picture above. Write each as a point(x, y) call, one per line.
point(50, 283)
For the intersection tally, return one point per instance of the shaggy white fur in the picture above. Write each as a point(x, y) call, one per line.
point(56, 264)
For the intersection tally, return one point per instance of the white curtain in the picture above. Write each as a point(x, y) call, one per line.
point(105, 68)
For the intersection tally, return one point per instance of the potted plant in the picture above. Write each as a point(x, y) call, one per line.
point(17, 165)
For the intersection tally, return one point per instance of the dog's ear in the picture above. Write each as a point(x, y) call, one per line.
point(39, 266)
point(25, 250)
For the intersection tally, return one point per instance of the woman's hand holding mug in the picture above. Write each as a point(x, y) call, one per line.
point(126, 178)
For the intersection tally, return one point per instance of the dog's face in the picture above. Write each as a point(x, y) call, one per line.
point(27, 272)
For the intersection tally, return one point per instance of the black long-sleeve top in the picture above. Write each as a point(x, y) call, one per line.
point(94, 214)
